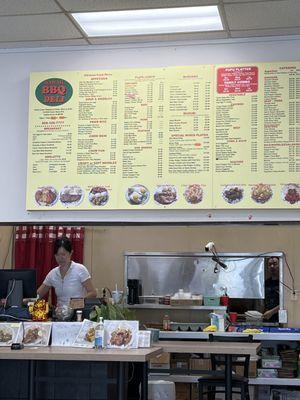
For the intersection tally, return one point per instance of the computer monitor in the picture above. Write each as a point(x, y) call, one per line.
point(16, 284)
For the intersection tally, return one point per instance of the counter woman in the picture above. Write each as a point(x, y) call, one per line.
point(69, 279)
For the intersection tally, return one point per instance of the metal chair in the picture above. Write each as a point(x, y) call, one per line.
point(215, 379)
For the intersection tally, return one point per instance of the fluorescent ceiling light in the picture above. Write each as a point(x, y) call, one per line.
point(150, 21)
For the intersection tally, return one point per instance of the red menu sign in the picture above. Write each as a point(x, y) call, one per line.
point(237, 80)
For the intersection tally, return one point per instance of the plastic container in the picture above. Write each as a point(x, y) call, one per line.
point(267, 373)
point(166, 323)
point(233, 317)
point(224, 300)
point(79, 316)
point(211, 301)
point(274, 362)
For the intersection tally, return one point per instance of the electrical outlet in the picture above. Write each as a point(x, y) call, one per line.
point(294, 296)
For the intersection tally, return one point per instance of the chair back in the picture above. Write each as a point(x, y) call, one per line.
point(239, 360)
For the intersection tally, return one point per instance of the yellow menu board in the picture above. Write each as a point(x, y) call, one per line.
point(195, 137)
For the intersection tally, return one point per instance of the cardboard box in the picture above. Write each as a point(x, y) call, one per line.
point(252, 369)
point(200, 364)
point(162, 361)
point(76, 303)
point(182, 391)
point(180, 361)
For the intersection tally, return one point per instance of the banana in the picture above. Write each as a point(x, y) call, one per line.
point(210, 328)
point(249, 330)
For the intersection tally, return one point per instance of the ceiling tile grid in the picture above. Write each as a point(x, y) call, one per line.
point(35, 23)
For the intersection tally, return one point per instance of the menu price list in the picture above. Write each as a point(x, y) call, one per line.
point(179, 137)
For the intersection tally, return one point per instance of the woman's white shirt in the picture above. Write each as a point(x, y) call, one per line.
point(69, 286)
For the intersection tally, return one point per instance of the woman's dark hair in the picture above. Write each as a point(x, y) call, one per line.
point(64, 242)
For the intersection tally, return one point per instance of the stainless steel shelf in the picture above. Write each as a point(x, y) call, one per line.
point(252, 381)
point(275, 381)
point(164, 307)
point(264, 336)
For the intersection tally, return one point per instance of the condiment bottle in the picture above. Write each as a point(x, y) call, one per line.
point(99, 335)
point(166, 323)
point(78, 315)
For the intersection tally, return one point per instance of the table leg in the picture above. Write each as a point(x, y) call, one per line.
point(121, 381)
point(144, 383)
point(228, 377)
point(32, 369)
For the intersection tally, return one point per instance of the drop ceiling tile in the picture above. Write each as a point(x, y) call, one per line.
point(265, 32)
point(160, 38)
point(104, 5)
point(37, 27)
point(20, 7)
point(266, 14)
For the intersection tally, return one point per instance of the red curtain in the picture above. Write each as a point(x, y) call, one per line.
point(34, 246)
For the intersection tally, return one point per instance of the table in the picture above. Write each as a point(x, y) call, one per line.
point(122, 357)
point(228, 349)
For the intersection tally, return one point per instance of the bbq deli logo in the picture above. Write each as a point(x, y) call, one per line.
point(54, 92)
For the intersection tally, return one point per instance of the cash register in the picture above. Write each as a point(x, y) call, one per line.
point(15, 285)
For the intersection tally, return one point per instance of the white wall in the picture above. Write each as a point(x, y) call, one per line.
point(15, 67)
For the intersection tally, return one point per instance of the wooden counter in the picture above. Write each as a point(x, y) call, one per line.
point(51, 354)
point(79, 354)
point(230, 348)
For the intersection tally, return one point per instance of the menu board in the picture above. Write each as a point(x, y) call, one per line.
point(195, 137)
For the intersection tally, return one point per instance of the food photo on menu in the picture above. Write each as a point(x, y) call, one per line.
point(137, 194)
point(36, 333)
point(291, 193)
point(71, 195)
point(46, 196)
point(193, 194)
point(121, 334)
point(165, 194)
point(98, 196)
point(233, 194)
point(261, 193)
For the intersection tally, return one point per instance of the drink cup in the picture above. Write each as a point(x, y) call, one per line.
point(117, 296)
point(224, 300)
point(233, 317)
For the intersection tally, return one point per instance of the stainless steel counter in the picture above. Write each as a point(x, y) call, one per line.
point(264, 336)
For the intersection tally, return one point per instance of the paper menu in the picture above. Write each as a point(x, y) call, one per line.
point(64, 333)
point(10, 332)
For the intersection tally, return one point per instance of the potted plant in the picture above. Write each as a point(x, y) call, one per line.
point(112, 312)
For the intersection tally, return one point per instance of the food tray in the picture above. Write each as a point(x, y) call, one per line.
point(188, 326)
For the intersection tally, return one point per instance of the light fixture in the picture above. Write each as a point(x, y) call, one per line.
point(150, 21)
